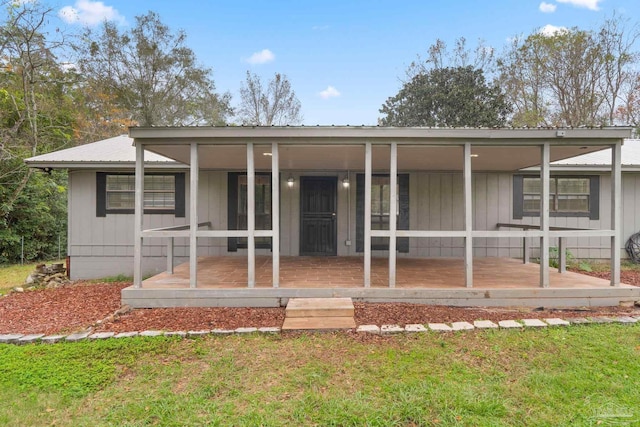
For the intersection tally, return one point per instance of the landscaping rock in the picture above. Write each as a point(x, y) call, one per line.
point(440, 327)
point(78, 336)
point(269, 330)
point(391, 329)
point(555, 321)
point(9, 338)
point(484, 324)
point(369, 329)
point(101, 335)
point(126, 335)
point(193, 334)
point(150, 333)
point(51, 339)
point(534, 323)
point(223, 331)
point(601, 319)
point(626, 319)
point(510, 324)
point(462, 326)
point(580, 321)
point(29, 339)
point(246, 330)
point(415, 327)
point(47, 276)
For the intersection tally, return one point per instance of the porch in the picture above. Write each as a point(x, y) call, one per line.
point(222, 281)
point(307, 213)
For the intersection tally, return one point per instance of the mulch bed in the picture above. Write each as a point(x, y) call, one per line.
point(81, 305)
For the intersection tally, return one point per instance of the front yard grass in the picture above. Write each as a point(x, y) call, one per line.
point(557, 376)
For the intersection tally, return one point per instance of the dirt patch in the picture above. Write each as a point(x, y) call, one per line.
point(81, 305)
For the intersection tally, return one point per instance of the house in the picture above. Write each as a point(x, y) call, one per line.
point(467, 201)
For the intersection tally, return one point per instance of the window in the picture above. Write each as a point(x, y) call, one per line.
point(568, 196)
point(237, 211)
point(163, 193)
point(380, 202)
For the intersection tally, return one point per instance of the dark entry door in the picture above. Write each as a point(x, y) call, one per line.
point(318, 215)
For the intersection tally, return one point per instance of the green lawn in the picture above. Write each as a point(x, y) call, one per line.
point(577, 376)
point(15, 275)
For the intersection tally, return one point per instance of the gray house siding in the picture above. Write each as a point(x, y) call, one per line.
point(103, 246)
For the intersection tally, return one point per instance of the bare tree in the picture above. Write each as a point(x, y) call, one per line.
point(461, 56)
point(150, 72)
point(617, 39)
point(573, 77)
point(275, 105)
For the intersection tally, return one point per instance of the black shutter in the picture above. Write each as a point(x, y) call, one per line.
point(101, 194)
point(518, 196)
point(180, 195)
point(359, 212)
point(232, 209)
point(403, 219)
point(594, 197)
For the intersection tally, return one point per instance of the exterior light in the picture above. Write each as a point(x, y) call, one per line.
point(474, 155)
point(290, 181)
point(345, 182)
point(267, 154)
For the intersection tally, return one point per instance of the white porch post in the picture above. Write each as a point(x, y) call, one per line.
point(367, 214)
point(616, 211)
point(393, 194)
point(138, 216)
point(251, 217)
point(275, 214)
point(544, 214)
point(193, 216)
point(468, 218)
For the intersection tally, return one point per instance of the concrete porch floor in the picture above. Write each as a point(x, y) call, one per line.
point(498, 282)
point(347, 272)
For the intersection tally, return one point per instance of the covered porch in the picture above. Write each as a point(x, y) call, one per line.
point(316, 160)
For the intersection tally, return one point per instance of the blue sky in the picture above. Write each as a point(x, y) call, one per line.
point(343, 58)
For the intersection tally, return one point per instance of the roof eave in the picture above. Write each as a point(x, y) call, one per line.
point(102, 165)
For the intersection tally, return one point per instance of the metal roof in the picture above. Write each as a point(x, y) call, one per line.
point(221, 135)
point(112, 152)
point(630, 156)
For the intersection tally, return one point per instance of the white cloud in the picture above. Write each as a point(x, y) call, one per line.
point(262, 57)
point(547, 7)
point(329, 92)
point(550, 30)
point(90, 13)
point(589, 4)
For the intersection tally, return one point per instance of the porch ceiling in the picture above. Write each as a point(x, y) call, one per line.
point(342, 147)
point(351, 157)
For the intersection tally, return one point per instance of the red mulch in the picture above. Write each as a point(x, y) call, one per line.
point(80, 305)
point(64, 309)
point(628, 277)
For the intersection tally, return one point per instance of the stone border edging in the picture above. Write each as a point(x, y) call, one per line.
point(390, 329)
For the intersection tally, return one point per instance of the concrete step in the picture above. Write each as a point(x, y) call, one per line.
point(318, 323)
point(319, 307)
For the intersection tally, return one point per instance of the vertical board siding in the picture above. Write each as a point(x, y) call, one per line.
point(436, 204)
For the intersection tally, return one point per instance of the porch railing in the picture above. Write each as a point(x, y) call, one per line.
point(171, 233)
point(560, 232)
